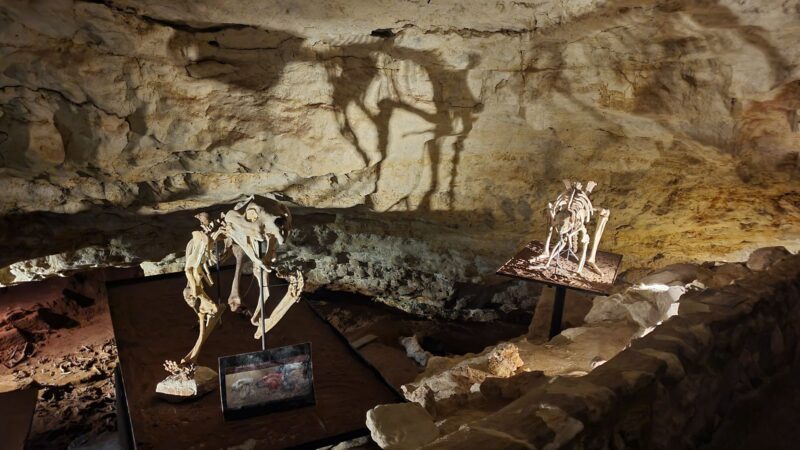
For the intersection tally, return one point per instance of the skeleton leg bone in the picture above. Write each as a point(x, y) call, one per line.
point(547, 244)
point(598, 233)
point(292, 296)
point(208, 318)
point(256, 319)
point(559, 246)
point(550, 218)
point(234, 299)
point(584, 246)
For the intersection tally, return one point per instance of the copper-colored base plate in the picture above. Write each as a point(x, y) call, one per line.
point(527, 266)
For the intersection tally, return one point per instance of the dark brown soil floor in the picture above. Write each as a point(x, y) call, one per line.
point(60, 341)
point(66, 348)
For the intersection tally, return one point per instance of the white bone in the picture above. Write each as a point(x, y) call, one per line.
point(241, 230)
point(568, 218)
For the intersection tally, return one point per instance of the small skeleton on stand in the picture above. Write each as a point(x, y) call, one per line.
point(246, 230)
point(568, 218)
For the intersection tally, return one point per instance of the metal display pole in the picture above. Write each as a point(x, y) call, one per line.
point(219, 284)
point(558, 310)
point(261, 299)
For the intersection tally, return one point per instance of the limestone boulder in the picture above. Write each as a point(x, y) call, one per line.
point(414, 350)
point(724, 274)
point(504, 360)
point(763, 258)
point(450, 382)
point(401, 426)
point(497, 388)
point(645, 305)
point(681, 274)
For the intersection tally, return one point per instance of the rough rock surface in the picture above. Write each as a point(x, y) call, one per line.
point(722, 344)
point(401, 426)
point(418, 141)
point(414, 350)
point(504, 360)
point(762, 258)
point(547, 381)
point(70, 357)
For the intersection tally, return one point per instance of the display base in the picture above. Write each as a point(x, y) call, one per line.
point(152, 324)
point(527, 264)
point(16, 415)
point(180, 388)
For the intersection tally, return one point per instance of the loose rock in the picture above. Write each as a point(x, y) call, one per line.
point(401, 426)
point(763, 258)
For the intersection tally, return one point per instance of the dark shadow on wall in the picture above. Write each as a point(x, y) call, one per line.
point(254, 59)
point(673, 84)
point(657, 97)
point(676, 74)
point(14, 135)
point(31, 235)
point(454, 107)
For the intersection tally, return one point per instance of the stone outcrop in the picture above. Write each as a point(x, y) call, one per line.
point(401, 426)
point(460, 390)
point(668, 389)
point(764, 257)
point(416, 141)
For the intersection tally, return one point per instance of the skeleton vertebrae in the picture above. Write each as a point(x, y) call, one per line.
point(568, 218)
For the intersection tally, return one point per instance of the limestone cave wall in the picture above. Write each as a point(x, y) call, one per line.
point(417, 142)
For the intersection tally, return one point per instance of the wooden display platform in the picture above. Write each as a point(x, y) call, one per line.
point(16, 415)
point(562, 275)
point(520, 266)
point(153, 323)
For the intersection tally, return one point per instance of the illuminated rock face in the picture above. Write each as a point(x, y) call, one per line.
point(419, 141)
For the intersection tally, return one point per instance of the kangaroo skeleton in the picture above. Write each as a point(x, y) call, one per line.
point(568, 218)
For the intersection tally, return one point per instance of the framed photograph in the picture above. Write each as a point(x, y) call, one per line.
point(266, 381)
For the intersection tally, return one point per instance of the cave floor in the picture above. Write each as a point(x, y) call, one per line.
point(70, 355)
point(357, 317)
point(73, 364)
point(72, 359)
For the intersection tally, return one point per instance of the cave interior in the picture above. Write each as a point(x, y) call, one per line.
point(411, 149)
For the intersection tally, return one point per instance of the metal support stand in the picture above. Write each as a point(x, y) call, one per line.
point(262, 285)
point(219, 283)
point(558, 311)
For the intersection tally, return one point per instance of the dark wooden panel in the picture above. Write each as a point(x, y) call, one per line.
point(16, 414)
point(153, 323)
